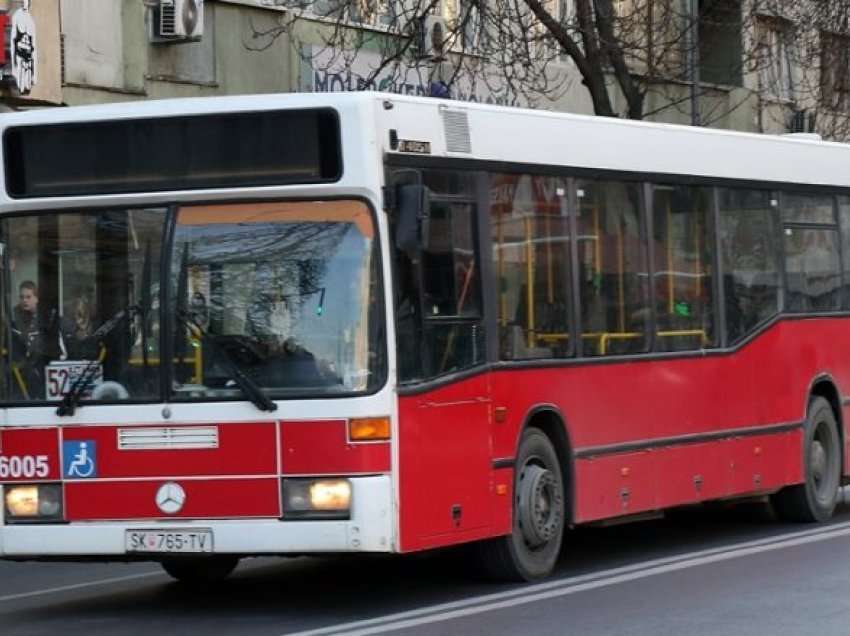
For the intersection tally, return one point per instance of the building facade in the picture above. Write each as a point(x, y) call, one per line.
point(740, 67)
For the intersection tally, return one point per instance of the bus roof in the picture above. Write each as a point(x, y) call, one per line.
point(523, 136)
point(511, 137)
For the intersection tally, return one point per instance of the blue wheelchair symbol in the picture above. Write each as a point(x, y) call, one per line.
point(79, 459)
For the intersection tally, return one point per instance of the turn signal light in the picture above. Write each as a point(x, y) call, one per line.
point(369, 429)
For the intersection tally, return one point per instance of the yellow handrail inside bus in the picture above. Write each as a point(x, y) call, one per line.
point(566, 336)
point(606, 337)
point(20, 379)
point(196, 360)
point(631, 335)
point(550, 279)
point(529, 281)
point(621, 283)
point(671, 303)
point(503, 297)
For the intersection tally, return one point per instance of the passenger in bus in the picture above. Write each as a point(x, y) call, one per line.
point(26, 313)
point(279, 360)
point(269, 320)
point(78, 328)
point(27, 346)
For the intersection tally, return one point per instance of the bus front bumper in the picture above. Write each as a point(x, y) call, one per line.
point(368, 530)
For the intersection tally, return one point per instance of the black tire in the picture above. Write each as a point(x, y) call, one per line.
point(204, 570)
point(531, 551)
point(814, 500)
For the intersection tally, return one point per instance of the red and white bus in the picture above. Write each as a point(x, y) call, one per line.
point(300, 324)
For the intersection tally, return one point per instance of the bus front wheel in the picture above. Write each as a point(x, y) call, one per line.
point(815, 499)
point(531, 550)
point(200, 570)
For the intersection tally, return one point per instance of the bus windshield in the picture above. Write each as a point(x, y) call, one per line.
point(78, 301)
point(284, 293)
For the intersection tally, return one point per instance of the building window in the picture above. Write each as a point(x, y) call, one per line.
point(774, 38)
point(470, 24)
point(835, 71)
point(720, 42)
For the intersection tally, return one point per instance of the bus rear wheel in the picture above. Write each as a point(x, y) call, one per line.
point(531, 550)
point(815, 499)
point(200, 570)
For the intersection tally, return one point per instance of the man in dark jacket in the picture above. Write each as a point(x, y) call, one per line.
point(26, 337)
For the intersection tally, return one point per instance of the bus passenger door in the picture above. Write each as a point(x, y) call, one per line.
point(444, 405)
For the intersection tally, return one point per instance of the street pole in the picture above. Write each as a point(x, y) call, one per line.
point(692, 42)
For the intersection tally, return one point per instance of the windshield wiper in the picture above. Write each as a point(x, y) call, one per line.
point(250, 388)
point(72, 398)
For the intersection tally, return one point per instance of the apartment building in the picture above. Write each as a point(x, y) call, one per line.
point(756, 65)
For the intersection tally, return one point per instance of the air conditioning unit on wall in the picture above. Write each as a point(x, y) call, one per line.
point(429, 37)
point(175, 21)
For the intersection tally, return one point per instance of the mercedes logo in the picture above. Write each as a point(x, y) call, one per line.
point(170, 498)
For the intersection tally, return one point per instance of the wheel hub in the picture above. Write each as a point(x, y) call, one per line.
point(539, 505)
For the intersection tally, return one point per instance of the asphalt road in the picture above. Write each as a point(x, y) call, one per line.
point(701, 571)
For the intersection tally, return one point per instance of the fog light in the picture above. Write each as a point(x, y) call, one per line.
point(317, 498)
point(31, 502)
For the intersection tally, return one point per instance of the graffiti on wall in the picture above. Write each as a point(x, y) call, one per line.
point(325, 72)
point(23, 49)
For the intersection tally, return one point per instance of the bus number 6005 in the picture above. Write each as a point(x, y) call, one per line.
point(24, 466)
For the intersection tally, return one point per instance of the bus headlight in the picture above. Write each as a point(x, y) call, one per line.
point(316, 498)
point(33, 502)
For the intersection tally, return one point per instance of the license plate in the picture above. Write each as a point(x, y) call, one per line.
point(171, 541)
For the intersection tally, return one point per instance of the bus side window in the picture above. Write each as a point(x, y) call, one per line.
point(613, 271)
point(812, 267)
point(439, 325)
point(748, 252)
point(844, 220)
point(683, 277)
point(451, 294)
point(531, 256)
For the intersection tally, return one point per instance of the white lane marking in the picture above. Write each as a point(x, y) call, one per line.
point(78, 586)
point(573, 585)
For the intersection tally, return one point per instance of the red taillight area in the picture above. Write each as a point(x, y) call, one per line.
point(207, 499)
point(322, 448)
point(29, 454)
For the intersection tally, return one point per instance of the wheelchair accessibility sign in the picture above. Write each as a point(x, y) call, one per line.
point(79, 459)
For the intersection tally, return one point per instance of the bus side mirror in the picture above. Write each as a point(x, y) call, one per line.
point(414, 210)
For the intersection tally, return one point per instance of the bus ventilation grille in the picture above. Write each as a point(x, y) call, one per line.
point(456, 129)
point(160, 438)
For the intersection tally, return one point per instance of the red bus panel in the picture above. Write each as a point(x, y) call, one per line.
point(243, 449)
point(322, 448)
point(205, 499)
point(29, 454)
